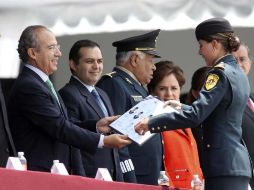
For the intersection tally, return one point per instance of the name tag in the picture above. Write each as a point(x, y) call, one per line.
point(137, 98)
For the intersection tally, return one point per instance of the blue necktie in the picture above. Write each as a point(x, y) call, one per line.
point(100, 102)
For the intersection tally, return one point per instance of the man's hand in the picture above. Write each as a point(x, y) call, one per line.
point(173, 103)
point(103, 124)
point(142, 127)
point(116, 141)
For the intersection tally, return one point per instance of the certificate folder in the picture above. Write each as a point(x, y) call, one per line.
point(148, 107)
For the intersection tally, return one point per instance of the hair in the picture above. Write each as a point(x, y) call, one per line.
point(123, 56)
point(29, 39)
point(229, 40)
point(197, 82)
point(163, 69)
point(74, 51)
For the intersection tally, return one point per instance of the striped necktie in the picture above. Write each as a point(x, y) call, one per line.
point(51, 87)
point(99, 101)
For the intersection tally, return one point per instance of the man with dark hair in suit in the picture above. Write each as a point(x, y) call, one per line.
point(84, 102)
point(37, 115)
point(125, 88)
point(244, 59)
point(6, 143)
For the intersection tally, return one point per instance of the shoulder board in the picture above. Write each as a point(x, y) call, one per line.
point(110, 74)
point(221, 66)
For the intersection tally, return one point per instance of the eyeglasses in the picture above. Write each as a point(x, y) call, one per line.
point(242, 59)
point(54, 47)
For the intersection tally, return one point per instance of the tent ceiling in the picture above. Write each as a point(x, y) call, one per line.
point(95, 16)
point(116, 13)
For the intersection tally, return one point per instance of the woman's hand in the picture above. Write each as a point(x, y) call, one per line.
point(142, 127)
point(173, 103)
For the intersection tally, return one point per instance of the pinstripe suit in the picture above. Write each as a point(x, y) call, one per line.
point(82, 106)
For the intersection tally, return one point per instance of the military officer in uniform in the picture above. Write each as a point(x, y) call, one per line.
point(219, 108)
point(125, 88)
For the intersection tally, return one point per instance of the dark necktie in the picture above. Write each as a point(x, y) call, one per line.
point(51, 87)
point(100, 102)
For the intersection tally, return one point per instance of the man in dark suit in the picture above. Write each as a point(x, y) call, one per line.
point(6, 143)
point(244, 59)
point(86, 65)
point(37, 115)
point(125, 88)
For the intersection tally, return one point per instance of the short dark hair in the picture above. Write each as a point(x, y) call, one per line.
point(74, 52)
point(165, 68)
point(197, 82)
point(29, 39)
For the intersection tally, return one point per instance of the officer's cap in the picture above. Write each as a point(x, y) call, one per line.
point(212, 26)
point(145, 43)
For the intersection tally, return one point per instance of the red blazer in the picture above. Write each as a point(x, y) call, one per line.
point(180, 157)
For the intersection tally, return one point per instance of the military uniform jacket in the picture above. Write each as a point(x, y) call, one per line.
point(82, 106)
point(220, 108)
point(124, 92)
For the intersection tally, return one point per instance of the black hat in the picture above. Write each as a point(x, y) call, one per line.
point(212, 26)
point(145, 43)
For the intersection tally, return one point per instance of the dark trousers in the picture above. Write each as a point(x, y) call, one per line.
point(227, 183)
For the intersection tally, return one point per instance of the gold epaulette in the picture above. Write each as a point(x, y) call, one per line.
point(221, 66)
point(110, 74)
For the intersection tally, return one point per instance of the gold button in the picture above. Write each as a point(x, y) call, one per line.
point(153, 129)
point(177, 176)
point(165, 127)
point(208, 145)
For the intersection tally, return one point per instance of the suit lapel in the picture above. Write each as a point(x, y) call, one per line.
point(106, 101)
point(46, 88)
point(88, 97)
point(186, 133)
point(62, 107)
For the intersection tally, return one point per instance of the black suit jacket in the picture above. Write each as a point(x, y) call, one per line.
point(248, 132)
point(6, 143)
point(82, 106)
point(40, 127)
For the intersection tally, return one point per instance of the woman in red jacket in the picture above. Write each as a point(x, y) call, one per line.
point(180, 150)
